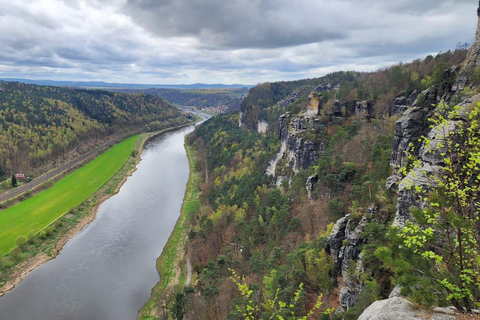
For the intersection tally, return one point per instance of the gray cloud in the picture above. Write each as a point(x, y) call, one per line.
point(235, 23)
point(222, 41)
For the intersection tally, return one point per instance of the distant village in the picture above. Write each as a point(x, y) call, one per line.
point(215, 110)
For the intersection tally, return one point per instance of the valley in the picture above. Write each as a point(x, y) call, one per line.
point(344, 185)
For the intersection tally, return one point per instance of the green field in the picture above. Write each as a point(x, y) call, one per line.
point(39, 211)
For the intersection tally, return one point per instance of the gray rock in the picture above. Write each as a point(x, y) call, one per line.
point(399, 309)
point(392, 182)
point(344, 246)
point(408, 129)
point(396, 292)
point(431, 164)
point(336, 236)
point(300, 153)
point(362, 108)
point(311, 182)
point(337, 108)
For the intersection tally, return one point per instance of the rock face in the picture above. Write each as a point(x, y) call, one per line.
point(337, 108)
point(412, 126)
point(344, 246)
point(408, 130)
point(398, 308)
point(471, 62)
point(298, 151)
point(402, 102)
point(262, 126)
point(309, 185)
point(473, 56)
point(314, 104)
point(363, 109)
point(325, 87)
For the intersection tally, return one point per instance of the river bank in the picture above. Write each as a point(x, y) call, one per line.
point(172, 263)
point(39, 250)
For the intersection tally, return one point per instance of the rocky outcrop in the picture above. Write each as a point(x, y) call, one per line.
point(240, 120)
point(473, 57)
point(314, 104)
point(326, 87)
point(343, 244)
point(262, 126)
point(289, 100)
point(431, 160)
point(411, 127)
point(363, 109)
point(402, 102)
point(337, 108)
point(310, 184)
point(298, 151)
point(471, 63)
point(398, 308)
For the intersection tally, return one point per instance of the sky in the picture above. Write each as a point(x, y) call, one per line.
point(222, 41)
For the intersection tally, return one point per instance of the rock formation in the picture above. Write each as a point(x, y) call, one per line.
point(472, 62)
point(298, 151)
point(343, 244)
point(314, 104)
point(409, 129)
point(473, 56)
point(397, 308)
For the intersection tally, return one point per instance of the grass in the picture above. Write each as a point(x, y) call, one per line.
point(171, 263)
point(36, 213)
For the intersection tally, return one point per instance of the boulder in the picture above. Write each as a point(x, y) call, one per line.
point(398, 308)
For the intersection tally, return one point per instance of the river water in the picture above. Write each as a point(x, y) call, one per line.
point(108, 270)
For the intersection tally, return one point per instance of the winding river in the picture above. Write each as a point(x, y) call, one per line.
point(108, 270)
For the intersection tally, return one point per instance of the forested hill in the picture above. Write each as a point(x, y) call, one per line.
point(200, 98)
point(308, 194)
point(41, 123)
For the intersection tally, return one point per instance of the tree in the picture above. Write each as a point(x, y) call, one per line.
point(178, 308)
point(272, 306)
point(14, 181)
point(438, 255)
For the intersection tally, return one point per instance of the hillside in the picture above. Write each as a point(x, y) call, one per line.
point(199, 98)
point(321, 190)
point(39, 124)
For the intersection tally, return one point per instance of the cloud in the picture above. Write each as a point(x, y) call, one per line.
point(249, 41)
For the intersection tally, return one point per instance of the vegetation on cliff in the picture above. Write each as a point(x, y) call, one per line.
point(280, 235)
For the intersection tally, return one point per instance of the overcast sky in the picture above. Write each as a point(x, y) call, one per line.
point(222, 41)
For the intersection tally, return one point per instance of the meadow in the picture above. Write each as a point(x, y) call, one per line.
point(29, 217)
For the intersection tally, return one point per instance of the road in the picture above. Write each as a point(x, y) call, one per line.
point(189, 271)
point(49, 175)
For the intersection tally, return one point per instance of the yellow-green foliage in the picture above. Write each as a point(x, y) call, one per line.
point(439, 252)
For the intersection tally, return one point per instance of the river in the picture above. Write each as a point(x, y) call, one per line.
point(107, 270)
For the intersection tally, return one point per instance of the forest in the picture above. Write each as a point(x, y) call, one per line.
point(39, 124)
point(199, 98)
point(263, 248)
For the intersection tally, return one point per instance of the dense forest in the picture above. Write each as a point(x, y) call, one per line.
point(38, 124)
point(307, 238)
point(199, 98)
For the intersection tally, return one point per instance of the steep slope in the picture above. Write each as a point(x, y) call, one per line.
point(304, 185)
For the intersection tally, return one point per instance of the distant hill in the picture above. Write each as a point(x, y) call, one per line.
point(199, 98)
point(102, 84)
point(38, 124)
